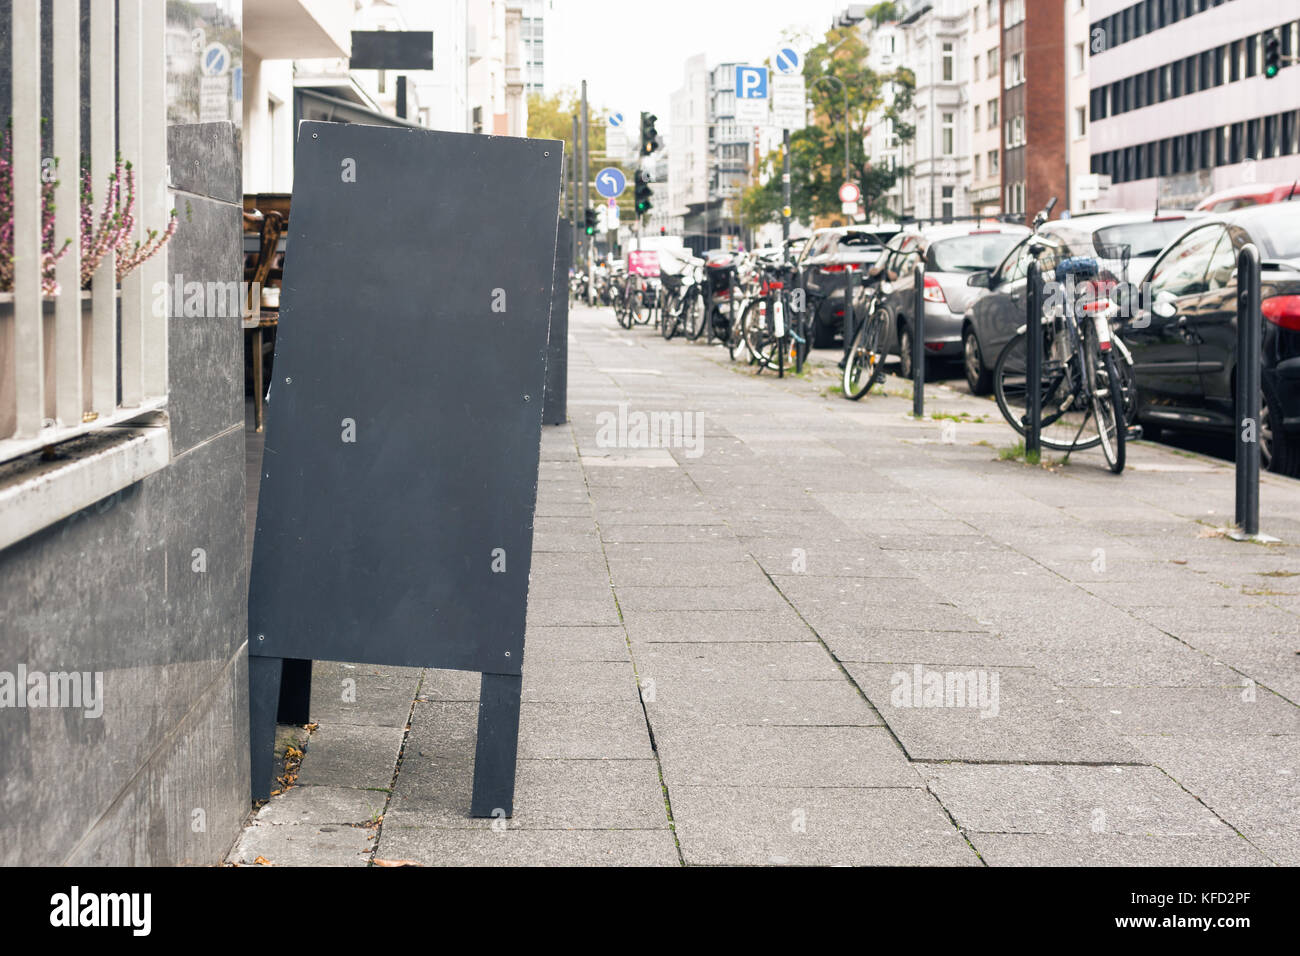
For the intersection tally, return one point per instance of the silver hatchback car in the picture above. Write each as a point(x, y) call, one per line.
point(950, 253)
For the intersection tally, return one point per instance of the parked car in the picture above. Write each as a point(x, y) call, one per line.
point(1248, 194)
point(950, 253)
point(1125, 245)
point(821, 267)
point(1184, 339)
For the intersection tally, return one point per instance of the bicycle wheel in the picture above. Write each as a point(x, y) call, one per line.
point(1063, 414)
point(760, 335)
point(693, 314)
point(1108, 408)
point(669, 317)
point(866, 361)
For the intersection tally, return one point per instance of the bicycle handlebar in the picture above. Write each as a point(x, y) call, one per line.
point(1044, 214)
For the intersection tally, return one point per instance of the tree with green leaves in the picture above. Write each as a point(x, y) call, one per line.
point(817, 151)
point(551, 117)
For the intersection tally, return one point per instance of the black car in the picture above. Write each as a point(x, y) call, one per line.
point(1117, 241)
point(1184, 337)
point(822, 265)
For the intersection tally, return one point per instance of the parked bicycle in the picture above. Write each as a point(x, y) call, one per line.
point(765, 323)
point(1086, 373)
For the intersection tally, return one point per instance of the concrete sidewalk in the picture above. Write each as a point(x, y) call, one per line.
point(828, 633)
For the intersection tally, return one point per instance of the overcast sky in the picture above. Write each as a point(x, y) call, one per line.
point(632, 53)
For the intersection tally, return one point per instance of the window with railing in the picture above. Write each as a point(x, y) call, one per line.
point(83, 278)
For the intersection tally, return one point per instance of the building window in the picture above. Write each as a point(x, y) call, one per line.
point(993, 114)
point(975, 165)
point(994, 169)
point(948, 134)
point(992, 59)
point(1015, 12)
point(1080, 122)
point(975, 66)
point(949, 62)
point(1015, 70)
point(947, 202)
point(1080, 58)
point(975, 116)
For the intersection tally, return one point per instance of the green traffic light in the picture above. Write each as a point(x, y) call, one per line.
point(1270, 72)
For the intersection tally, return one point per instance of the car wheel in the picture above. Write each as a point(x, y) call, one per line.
point(979, 378)
point(1279, 450)
point(905, 352)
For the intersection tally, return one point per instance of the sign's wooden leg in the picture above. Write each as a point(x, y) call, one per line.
point(263, 703)
point(497, 745)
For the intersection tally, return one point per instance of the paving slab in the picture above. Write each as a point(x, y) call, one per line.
point(347, 755)
point(1114, 849)
point(801, 826)
point(429, 846)
point(756, 703)
point(985, 714)
point(1231, 711)
point(304, 845)
point(1251, 782)
point(701, 754)
point(323, 806)
point(1069, 800)
point(549, 795)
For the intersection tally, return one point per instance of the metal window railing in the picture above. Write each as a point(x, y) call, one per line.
point(61, 371)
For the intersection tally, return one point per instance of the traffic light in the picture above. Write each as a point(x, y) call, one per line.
point(1272, 54)
point(591, 222)
point(643, 194)
point(649, 135)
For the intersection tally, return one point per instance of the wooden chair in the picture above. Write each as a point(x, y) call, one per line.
point(258, 318)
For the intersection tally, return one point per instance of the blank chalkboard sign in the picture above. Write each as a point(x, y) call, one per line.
point(399, 476)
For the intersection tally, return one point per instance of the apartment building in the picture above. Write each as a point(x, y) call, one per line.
point(533, 32)
point(938, 52)
point(1179, 105)
point(688, 146)
point(497, 100)
point(1034, 153)
point(985, 45)
point(1078, 156)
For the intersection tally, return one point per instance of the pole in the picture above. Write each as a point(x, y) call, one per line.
point(846, 131)
point(573, 203)
point(918, 341)
point(785, 190)
point(1034, 361)
point(586, 154)
point(1249, 334)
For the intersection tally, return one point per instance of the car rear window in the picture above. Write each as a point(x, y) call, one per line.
point(1275, 227)
point(1142, 238)
point(857, 239)
point(972, 253)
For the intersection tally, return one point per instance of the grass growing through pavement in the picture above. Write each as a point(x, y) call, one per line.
point(1017, 452)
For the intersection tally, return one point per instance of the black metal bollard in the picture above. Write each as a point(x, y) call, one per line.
point(1034, 360)
point(918, 342)
point(1249, 334)
point(850, 326)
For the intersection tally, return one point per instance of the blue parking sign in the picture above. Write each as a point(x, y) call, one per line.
point(751, 95)
point(751, 82)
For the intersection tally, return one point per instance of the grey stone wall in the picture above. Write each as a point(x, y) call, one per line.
point(162, 776)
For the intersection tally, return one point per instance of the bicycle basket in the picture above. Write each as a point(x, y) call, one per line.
point(1080, 267)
